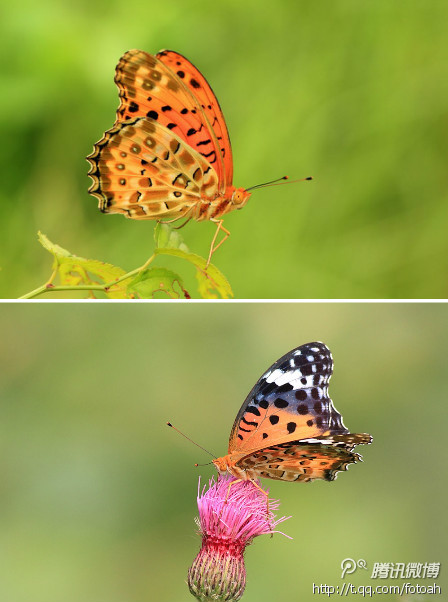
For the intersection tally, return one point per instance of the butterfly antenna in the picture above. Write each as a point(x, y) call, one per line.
point(278, 182)
point(208, 464)
point(191, 440)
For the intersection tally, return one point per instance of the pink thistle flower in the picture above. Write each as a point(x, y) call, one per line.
point(228, 521)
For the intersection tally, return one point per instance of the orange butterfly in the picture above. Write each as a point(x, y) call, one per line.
point(288, 429)
point(168, 154)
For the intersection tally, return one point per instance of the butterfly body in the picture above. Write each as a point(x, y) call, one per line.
point(212, 209)
point(228, 464)
point(288, 428)
point(234, 198)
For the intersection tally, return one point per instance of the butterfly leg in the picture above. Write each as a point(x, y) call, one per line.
point(267, 504)
point(184, 224)
point(228, 488)
point(170, 221)
point(213, 248)
point(257, 486)
point(228, 492)
point(265, 493)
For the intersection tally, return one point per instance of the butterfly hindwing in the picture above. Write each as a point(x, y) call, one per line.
point(299, 461)
point(289, 402)
point(143, 170)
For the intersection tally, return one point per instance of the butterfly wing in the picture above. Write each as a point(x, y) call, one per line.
point(289, 402)
point(170, 90)
point(288, 425)
point(145, 171)
point(301, 461)
point(209, 103)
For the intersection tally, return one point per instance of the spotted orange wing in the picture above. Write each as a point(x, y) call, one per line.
point(220, 142)
point(302, 460)
point(144, 171)
point(288, 424)
point(168, 89)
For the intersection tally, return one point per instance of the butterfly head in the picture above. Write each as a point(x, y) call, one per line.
point(228, 465)
point(222, 464)
point(239, 197)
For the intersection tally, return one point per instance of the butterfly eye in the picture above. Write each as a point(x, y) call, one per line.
point(239, 196)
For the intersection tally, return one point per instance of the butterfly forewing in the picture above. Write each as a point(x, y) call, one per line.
point(143, 170)
point(179, 98)
point(201, 89)
point(289, 402)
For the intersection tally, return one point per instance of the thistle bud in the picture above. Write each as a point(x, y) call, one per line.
point(229, 520)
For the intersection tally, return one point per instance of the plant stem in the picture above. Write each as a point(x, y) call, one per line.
point(48, 287)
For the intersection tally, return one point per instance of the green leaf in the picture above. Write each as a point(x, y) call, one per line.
point(211, 282)
point(158, 280)
point(75, 270)
point(56, 250)
point(167, 237)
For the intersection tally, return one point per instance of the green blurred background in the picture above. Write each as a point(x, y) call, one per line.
point(97, 495)
point(353, 93)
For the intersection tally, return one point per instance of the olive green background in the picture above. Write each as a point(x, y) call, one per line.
point(350, 92)
point(97, 495)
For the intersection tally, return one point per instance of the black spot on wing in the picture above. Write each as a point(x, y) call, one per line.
point(208, 155)
point(245, 430)
point(281, 403)
point(267, 388)
point(284, 388)
point(248, 423)
point(302, 390)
